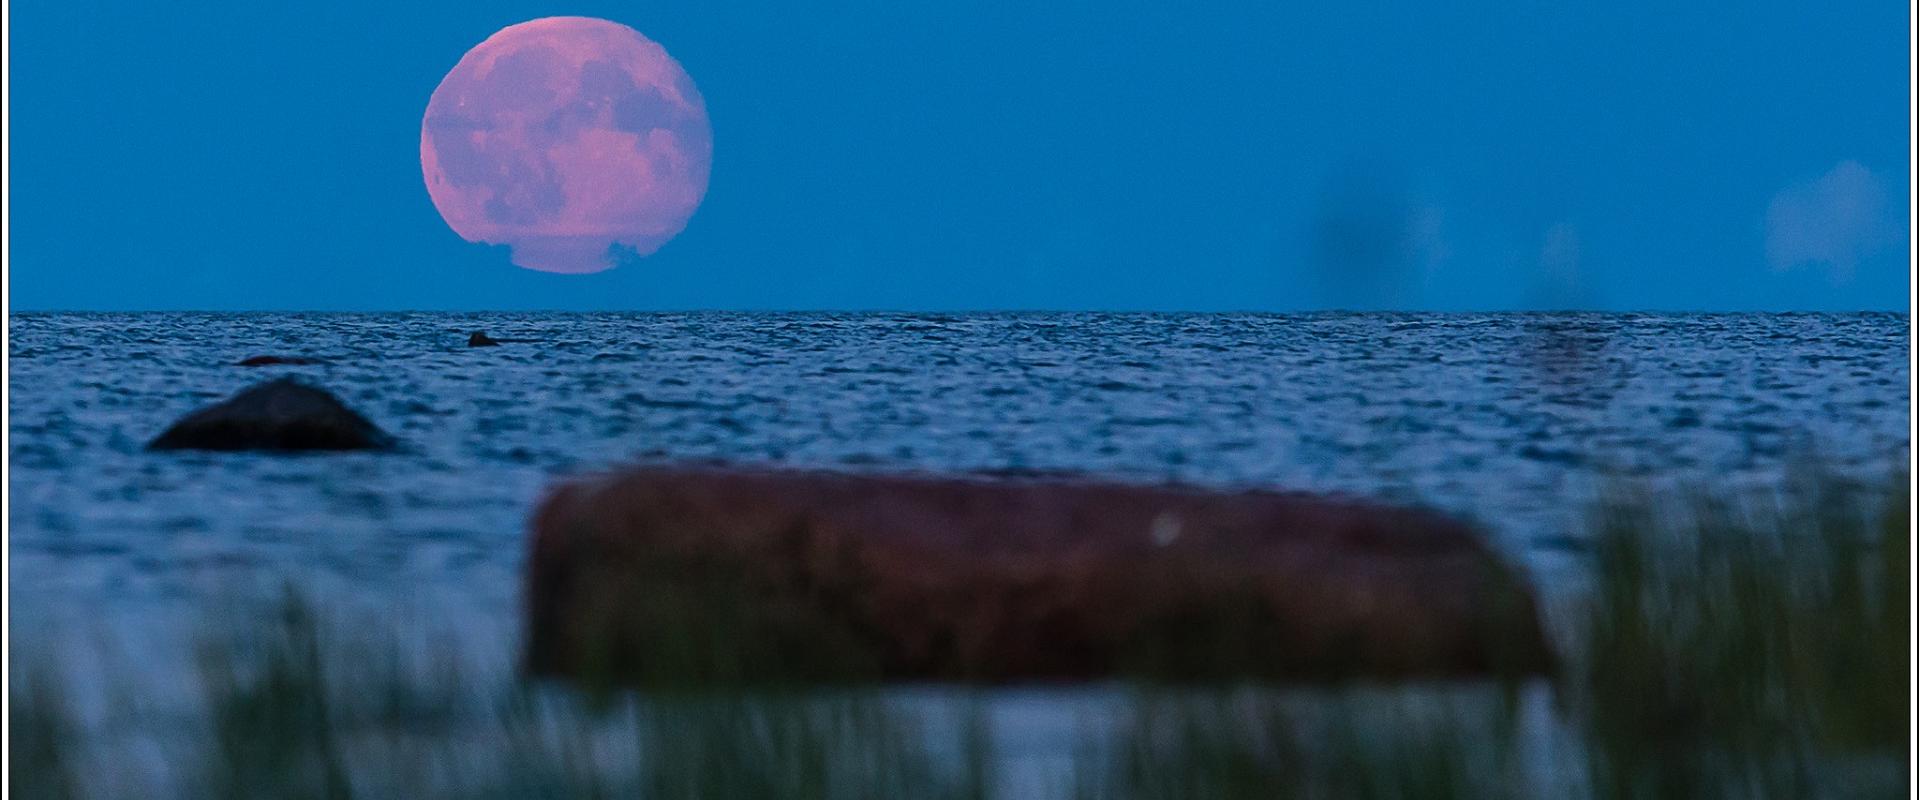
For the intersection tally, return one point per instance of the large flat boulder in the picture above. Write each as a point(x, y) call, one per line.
point(282, 414)
point(707, 575)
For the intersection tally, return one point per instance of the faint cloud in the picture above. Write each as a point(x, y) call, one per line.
point(1834, 221)
point(1369, 239)
point(1560, 283)
point(1428, 228)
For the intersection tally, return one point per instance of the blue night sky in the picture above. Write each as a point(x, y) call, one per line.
point(1074, 156)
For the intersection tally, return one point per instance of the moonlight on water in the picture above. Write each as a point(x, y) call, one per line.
point(571, 140)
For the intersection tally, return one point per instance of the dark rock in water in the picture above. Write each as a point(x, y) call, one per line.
point(282, 414)
point(268, 361)
point(695, 575)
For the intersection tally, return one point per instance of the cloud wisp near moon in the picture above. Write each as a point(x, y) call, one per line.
point(571, 140)
point(1835, 221)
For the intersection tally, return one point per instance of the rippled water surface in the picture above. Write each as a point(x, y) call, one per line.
point(1507, 418)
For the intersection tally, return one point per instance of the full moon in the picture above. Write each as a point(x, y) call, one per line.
point(574, 141)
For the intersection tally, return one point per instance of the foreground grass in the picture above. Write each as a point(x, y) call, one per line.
point(1730, 647)
point(1754, 643)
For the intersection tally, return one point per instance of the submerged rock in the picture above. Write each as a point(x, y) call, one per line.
point(268, 361)
point(673, 575)
point(282, 414)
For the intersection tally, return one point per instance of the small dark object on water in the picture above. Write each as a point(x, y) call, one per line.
point(282, 414)
point(268, 361)
point(481, 339)
point(684, 575)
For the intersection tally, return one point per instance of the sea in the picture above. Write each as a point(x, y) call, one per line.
point(1514, 421)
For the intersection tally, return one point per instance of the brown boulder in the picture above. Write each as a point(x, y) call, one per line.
point(704, 575)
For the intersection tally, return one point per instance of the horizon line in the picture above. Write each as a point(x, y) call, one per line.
point(962, 311)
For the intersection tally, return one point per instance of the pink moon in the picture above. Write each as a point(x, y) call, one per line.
point(574, 141)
